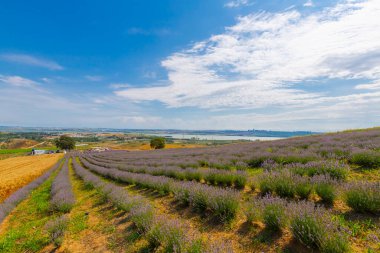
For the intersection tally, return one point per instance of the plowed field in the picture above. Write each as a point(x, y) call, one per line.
point(19, 171)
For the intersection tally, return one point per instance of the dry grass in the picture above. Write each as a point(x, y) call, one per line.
point(18, 171)
point(19, 143)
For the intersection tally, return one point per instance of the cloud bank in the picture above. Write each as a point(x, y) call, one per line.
point(267, 59)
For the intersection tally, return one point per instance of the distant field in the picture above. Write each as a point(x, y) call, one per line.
point(18, 171)
point(14, 151)
point(136, 145)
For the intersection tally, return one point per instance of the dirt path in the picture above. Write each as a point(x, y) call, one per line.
point(36, 144)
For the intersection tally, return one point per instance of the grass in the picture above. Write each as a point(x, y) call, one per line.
point(14, 151)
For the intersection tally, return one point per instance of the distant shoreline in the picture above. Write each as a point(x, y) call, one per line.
point(235, 133)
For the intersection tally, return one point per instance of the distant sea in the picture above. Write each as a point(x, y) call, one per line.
point(218, 137)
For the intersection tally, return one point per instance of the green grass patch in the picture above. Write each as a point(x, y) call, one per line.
point(14, 151)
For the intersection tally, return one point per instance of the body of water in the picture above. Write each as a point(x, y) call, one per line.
point(218, 137)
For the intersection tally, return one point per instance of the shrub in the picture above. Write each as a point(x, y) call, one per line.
point(303, 189)
point(252, 211)
point(266, 184)
point(366, 159)
point(284, 186)
point(256, 162)
point(307, 229)
point(326, 191)
point(142, 216)
point(193, 175)
point(325, 187)
point(240, 181)
point(224, 205)
point(171, 234)
point(363, 196)
point(56, 229)
point(336, 244)
point(274, 213)
point(198, 199)
point(182, 194)
point(312, 226)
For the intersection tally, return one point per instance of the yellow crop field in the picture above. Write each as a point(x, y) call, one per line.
point(18, 171)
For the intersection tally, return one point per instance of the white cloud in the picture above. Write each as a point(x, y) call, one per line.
point(266, 59)
point(18, 81)
point(238, 3)
point(369, 86)
point(142, 120)
point(28, 103)
point(309, 3)
point(31, 60)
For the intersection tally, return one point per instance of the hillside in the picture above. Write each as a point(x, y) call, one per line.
point(317, 193)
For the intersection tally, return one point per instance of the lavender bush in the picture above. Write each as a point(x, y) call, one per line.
point(142, 216)
point(62, 197)
point(313, 227)
point(56, 229)
point(171, 234)
point(274, 213)
point(363, 196)
point(326, 188)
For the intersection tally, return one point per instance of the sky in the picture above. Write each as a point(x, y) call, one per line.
point(191, 64)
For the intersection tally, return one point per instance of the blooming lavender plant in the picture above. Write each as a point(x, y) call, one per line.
point(56, 229)
point(274, 213)
point(363, 196)
point(313, 226)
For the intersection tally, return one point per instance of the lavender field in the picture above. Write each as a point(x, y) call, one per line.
point(308, 194)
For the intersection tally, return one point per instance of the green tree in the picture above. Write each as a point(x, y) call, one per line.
point(65, 142)
point(157, 143)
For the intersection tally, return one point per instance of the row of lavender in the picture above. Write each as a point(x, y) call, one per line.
point(236, 179)
point(360, 147)
point(222, 203)
point(62, 201)
point(13, 200)
point(161, 231)
point(62, 196)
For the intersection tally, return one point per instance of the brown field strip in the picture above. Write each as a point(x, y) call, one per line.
point(18, 171)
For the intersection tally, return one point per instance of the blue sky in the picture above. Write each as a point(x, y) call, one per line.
point(233, 64)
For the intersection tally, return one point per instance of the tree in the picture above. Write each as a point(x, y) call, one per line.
point(65, 142)
point(157, 143)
